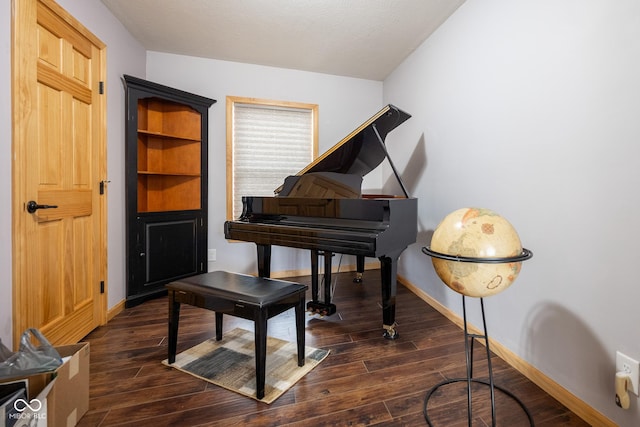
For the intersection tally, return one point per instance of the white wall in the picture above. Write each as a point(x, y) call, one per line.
point(344, 103)
point(531, 108)
point(124, 55)
point(5, 174)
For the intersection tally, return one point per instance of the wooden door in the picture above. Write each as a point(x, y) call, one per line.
point(59, 253)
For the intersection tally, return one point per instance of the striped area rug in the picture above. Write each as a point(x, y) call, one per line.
point(230, 363)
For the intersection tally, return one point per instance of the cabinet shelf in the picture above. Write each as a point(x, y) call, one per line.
point(168, 173)
point(163, 193)
point(167, 136)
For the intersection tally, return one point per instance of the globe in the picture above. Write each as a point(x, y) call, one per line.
point(476, 233)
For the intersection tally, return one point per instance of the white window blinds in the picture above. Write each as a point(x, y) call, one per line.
point(269, 143)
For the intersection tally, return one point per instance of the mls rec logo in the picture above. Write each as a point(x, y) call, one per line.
point(27, 410)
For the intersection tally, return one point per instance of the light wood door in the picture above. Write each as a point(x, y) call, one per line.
point(59, 253)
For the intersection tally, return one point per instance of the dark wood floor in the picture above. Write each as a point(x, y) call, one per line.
point(366, 379)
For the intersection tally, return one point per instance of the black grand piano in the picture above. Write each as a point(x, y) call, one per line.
point(322, 209)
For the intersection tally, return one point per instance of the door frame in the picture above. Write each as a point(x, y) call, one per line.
point(19, 156)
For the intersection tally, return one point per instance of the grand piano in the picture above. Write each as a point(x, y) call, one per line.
point(322, 209)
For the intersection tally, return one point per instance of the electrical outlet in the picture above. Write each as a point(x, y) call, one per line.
point(211, 255)
point(630, 366)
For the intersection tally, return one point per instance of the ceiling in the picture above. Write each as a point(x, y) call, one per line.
point(356, 38)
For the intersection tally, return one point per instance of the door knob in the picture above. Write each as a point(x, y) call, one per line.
point(33, 206)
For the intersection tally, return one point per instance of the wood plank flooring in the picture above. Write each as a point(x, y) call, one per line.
point(366, 380)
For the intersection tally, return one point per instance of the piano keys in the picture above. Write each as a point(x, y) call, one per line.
point(322, 209)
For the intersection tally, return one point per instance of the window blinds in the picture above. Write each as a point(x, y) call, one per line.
point(269, 144)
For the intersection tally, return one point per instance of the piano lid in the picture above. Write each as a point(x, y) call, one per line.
point(361, 151)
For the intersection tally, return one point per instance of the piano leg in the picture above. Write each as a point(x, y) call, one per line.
point(264, 260)
point(314, 275)
point(359, 269)
point(389, 277)
point(328, 256)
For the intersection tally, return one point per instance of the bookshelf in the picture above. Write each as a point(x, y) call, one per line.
point(166, 185)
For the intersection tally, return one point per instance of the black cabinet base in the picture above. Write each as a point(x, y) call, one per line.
point(138, 299)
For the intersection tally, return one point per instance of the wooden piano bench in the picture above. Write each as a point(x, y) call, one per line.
point(248, 297)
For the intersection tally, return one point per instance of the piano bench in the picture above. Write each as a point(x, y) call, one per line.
point(248, 297)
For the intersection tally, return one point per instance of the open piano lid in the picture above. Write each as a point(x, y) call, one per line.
point(362, 150)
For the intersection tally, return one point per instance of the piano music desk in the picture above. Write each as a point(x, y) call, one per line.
point(248, 297)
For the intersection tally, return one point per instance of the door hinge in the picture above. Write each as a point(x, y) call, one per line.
point(102, 183)
point(101, 88)
point(102, 286)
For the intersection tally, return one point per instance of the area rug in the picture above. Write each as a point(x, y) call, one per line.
point(230, 363)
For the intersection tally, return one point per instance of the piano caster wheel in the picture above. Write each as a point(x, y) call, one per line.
point(391, 335)
point(358, 278)
point(390, 332)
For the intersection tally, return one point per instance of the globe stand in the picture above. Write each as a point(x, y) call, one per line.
point(469, 340)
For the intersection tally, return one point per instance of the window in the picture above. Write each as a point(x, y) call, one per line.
point(266, 142)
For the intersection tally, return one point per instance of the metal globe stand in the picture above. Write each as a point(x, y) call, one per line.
point(469, 339)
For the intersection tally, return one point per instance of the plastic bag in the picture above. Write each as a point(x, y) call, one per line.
point(29, 359)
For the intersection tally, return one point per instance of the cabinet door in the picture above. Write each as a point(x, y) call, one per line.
point(167, 248)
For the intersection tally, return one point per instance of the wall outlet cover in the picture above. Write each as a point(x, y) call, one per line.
point(626, 364)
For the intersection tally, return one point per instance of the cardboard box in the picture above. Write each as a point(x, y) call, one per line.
point(62, 394)
point(68, 400)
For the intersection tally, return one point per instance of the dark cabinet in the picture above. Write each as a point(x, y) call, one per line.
point(166, 186)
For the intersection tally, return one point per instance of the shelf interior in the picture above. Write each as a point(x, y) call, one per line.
point(169, 156)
